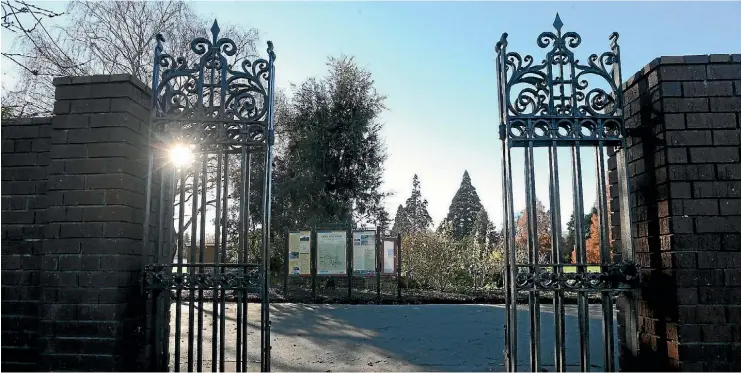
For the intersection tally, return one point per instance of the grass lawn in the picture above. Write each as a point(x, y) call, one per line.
point(590, 269)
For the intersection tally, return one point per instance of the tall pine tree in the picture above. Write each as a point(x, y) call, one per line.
point(463, 209)
point(401, 221)
point(413, 216)
point(481, 228)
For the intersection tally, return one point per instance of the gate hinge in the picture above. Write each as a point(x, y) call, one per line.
point(501, 132)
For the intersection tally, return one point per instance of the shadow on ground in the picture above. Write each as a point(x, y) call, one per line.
point(323, 338)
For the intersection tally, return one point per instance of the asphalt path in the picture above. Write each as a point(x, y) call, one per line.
point(361, 338)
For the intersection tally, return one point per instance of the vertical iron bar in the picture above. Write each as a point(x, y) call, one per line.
point(349, 265)
point(558, 309)
point(398, 266)
point(170, 255)
point(378, 264)
point(148, 195)
point(201, 254)
point(534, 254)
point(191, 270)
point(159, 254)
point(217, 261)
point(510, 250)
point(581, 255)
point(267, 198)
point(178, 295)
point(557, 255)
point(222, 300)
point(313, 260)
point(512, 259)
point(507, 297)
point(604, 237)
point(246, 245)
point(286, 266)
point(240, 258)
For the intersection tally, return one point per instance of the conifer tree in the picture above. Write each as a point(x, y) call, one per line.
point(413, 216)
point(463, 209)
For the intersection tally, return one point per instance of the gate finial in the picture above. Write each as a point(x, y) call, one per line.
point(215, 31)
point(557, 23)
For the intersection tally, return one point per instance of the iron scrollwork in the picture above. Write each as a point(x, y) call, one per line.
point(560, 99)
point(613, 277)
point(200, 277)
point(212, 102)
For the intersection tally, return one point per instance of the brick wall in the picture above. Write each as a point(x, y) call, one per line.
point(25, 157)
point(78, 259)
point(684, 121)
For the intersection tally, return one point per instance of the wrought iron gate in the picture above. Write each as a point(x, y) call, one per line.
point(552, 105)
point(211, 137)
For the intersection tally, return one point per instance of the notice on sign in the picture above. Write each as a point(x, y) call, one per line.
point(389, 251)
point(299, 253)
point(364, 252)
point(331, 251)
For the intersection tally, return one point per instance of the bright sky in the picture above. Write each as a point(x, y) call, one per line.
point(435, 62)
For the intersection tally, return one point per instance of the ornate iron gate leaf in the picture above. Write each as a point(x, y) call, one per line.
point(218, 109)
point(552, 105)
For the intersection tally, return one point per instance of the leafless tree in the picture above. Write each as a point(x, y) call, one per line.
point(106, 37)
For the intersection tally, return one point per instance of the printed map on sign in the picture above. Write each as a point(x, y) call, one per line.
point(299, 253)
point(331, 252)
point(364, 252)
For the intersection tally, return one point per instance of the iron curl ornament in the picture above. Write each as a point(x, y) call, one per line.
point(209, 277)
point(611, 278)
point(560, 99)
point(214, 102)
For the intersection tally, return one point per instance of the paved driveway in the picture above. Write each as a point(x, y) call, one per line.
point(389, 338)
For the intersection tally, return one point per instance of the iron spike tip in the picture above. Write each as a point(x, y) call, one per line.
point(215, 28)
point(159, 37)
point(271, 53)
point(557, 22)
point(502, 43)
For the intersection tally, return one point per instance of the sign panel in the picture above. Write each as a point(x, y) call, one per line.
point(389, 251)
point(364, 252)
point(299, 253)
point(331, 252)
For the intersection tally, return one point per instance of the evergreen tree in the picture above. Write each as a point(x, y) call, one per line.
point(330, 167)
point(570, 239)
point(401, 221)
point(463, 209)
point(493, 237)
point(413, 216)
point(416, 209)
point(481, 228)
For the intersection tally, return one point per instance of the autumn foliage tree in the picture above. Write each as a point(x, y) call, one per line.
point(593, 242)
point(543, 220)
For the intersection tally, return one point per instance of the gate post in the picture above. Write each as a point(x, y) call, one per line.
point(92, 311)
point(684, 114)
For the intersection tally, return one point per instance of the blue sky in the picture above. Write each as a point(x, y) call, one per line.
point(435, 62)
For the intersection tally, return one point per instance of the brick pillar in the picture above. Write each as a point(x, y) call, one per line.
point(91, 310)
point(684, 120)
point(25, 158)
